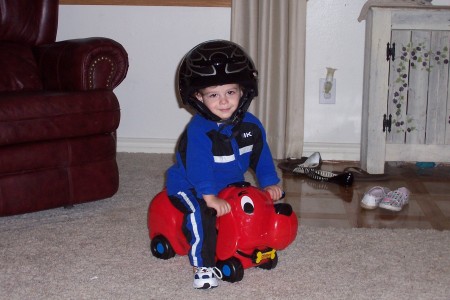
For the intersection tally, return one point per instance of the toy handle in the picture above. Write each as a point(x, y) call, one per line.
point(283, 194)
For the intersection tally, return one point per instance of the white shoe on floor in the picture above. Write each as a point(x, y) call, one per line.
point(373, 197)
point(206, 278)
point(312, 162)
point(395, 200)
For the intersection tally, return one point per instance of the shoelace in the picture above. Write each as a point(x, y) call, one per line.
point(216, 271)
point(398, 198)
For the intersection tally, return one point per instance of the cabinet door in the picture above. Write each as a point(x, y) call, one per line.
point(413, 88)
point(418, 97)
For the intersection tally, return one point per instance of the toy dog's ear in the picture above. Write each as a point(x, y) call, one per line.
point(227, 238)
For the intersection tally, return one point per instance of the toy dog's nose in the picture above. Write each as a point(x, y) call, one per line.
point(283, 209)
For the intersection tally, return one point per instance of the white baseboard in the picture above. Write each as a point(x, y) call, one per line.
point(328, 151)
point(333, 151)
point(146, 145)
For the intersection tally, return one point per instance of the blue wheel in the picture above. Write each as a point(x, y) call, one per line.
point(232, 269)
point(161, 248)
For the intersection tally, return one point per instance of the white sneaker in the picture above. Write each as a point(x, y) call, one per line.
point(395, 200)
point(373, 197)
point(311, 162)
point(206, 278)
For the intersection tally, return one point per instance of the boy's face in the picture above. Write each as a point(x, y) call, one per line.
point(221, 100)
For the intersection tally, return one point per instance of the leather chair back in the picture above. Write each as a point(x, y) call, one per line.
point(31, 22)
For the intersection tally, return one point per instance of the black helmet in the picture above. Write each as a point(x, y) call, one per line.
point(217, 62)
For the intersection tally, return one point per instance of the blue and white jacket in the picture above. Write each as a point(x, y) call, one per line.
point(211, 156)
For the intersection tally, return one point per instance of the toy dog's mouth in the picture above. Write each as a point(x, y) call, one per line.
point(260, 255)
point(283, 209)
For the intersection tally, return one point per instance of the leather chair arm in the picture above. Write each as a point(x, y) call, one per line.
point(82, 64)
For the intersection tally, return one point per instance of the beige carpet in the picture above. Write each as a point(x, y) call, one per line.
point(100, 250)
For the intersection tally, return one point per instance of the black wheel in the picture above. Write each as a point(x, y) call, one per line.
point(161, 247)
point(232, 269)
point(270, 264)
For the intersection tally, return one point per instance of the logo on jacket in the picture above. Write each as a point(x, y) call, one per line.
point(247, 134)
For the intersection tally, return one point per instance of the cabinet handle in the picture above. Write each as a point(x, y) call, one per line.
point(387, 123)
point(390, 51)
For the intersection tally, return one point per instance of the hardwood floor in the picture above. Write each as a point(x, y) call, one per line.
point(328, 204)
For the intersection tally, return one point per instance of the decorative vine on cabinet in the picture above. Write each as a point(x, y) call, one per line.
point(406, 95)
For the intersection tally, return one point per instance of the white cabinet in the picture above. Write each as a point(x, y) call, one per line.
point(406, 106)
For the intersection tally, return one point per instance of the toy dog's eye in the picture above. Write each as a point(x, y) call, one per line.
point(247, 205)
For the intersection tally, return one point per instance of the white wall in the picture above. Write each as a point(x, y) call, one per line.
point(334, 38)
point(157, 37)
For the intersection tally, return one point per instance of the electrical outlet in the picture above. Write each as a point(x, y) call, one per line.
point(330, 97)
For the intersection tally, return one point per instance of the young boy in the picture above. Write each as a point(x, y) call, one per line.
point(218, 80)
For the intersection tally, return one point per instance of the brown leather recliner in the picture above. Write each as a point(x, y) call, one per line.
point(58, 111)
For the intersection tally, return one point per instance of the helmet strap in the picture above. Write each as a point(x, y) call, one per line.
point(244, 103)
point(202, 109)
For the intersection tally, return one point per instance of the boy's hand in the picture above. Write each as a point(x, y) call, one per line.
point(221, 206)
point(275, 192)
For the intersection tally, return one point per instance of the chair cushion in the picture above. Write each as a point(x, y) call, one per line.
point(18, 68)
point(43, 116)
point(62, 153)
point(44, 175)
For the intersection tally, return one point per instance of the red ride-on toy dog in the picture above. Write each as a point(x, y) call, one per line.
point(248, 236)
